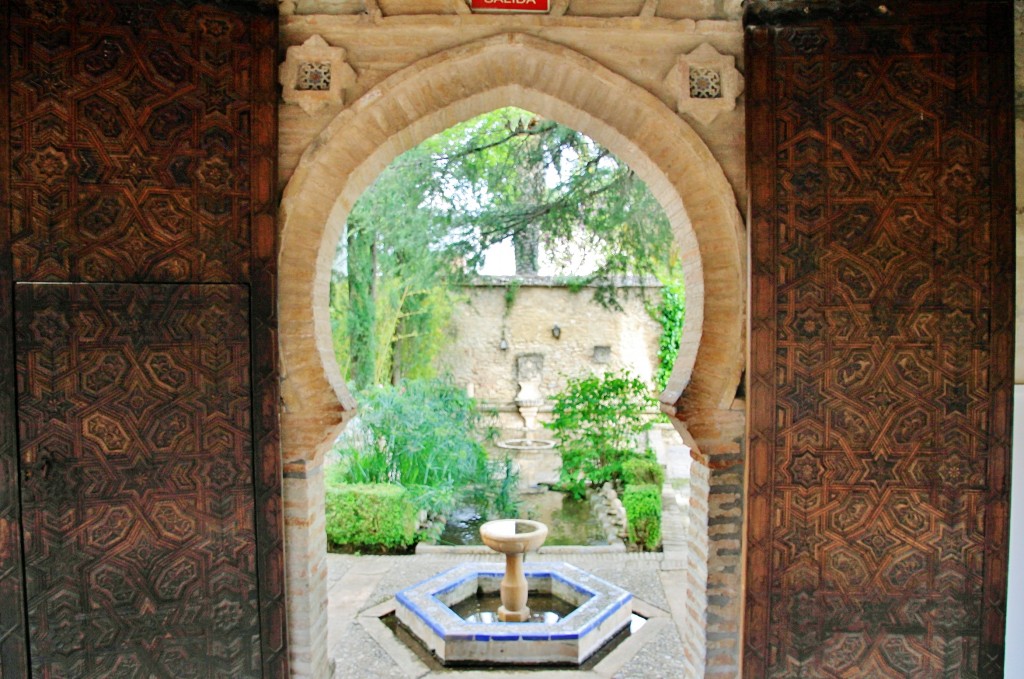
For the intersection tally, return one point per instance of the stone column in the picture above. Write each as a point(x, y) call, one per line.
point(306, 565)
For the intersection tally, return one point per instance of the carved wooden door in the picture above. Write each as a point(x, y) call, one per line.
point(140, 499)
point(137, 495)
point(880, 376)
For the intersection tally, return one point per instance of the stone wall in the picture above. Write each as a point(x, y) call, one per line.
point(590, 337)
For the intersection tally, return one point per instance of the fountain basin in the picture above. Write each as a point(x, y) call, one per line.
point(600, 610)
point(514, 536)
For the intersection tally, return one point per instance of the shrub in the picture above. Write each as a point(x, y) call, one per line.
point(425, 435)
point(642, 470)
point(643, 515)
point(370, 514)
point(598, 420)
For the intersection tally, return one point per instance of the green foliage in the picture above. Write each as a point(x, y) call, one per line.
point(362, 311)
point(493, 184)
point(643, 515)
point(391, 294)
point(642, 471)
point(511, 293)
point(574, 284)
point(424, 435)
point(597, 420)
point(338, 313)
point(370, 515)
point(670, 313)
point(424, 225)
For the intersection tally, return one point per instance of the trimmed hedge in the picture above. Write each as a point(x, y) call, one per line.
point(642, 471)
point(643, 515)
point(370, 515)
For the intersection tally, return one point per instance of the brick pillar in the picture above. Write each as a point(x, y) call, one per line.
point(306, 567)
point(716, 528)
point(694, 632)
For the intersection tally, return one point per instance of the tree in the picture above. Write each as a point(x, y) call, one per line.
point(426, 222)
point(512, 175)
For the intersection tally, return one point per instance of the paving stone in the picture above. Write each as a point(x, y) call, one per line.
point(357, 655)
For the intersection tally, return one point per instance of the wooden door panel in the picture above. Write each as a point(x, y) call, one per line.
point(134, 412)
point(133, 133)
point(881, 333)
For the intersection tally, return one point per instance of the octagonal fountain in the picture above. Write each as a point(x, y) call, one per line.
point(456, 614)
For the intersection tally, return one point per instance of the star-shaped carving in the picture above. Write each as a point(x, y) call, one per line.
point(954, 471)
point(878, 469)
point(955, 398)
point(135, 169)
point(138, 479)
point(57, 245)
point(882, 109)
point(885, 317)
point(806, 399)
point(691, 99)
point(47, 80)
point(884, 251)
point(804, 539)
point(804, 252)
point(806, 470)
point(951, 542)
point(882, 178)
point(216, 97)
point(315, 50)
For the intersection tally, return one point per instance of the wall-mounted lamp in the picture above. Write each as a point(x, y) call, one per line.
point(503, 344)
point(556, 332)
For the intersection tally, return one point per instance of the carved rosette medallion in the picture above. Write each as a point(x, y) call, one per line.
point(314, 75)
point(706, 83)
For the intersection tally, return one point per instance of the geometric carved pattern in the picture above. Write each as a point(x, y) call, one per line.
point(131, 132)
point(137, 145)
point(314, 76)
point(880, 241)
point(705, 83)
point(138, 551)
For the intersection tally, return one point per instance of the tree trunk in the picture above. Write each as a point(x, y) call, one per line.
point(526, 244)
point(361, 317)
point(526, 241)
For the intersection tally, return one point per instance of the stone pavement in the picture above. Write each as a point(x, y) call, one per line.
point(358, 583)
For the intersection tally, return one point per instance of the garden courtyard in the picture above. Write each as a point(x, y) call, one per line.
point(360, 587)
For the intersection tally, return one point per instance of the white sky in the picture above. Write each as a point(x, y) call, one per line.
point(500, 260)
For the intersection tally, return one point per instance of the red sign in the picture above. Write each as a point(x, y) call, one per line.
point(510, 5)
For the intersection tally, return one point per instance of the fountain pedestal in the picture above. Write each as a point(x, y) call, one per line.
point(513, 538)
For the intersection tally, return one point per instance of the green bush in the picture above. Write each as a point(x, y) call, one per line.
point(370, 515)
point(642, 470)
point(597, 420)
point(426, 436)
point(643, 515)
point(670, 313)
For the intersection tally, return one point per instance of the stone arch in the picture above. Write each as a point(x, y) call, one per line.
point(428, 97)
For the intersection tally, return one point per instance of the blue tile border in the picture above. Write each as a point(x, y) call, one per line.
point(603, 601)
